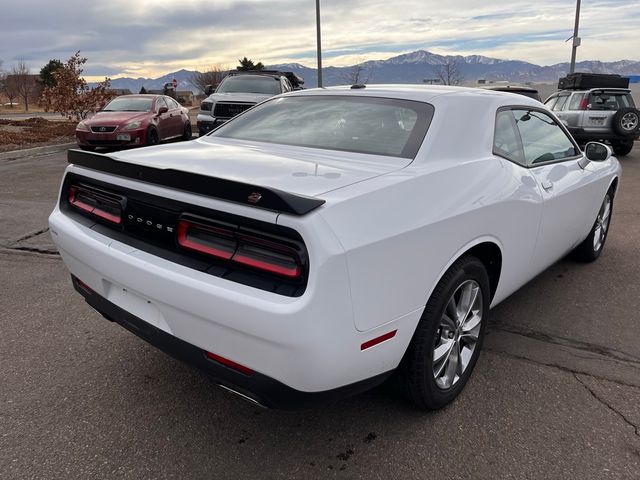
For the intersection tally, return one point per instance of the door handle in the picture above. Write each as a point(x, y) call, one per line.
point(547, 185)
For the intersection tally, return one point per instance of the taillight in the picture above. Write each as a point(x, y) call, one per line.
point(583, 103)
point(96, 203)
point(273, 256)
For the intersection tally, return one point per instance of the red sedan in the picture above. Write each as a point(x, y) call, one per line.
point(134, 121)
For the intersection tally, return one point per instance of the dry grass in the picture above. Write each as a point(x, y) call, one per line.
point(34, 132)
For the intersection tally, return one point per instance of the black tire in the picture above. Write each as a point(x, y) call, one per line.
point(187, 134)
point(87, 148)
point(152, 137)
point(592, 246)
point(622, 148)
point(416, 374)
point(626, 122)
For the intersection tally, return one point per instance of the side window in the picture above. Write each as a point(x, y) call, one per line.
point(506, 139)
point(543, 140)
point(562, 100)
point(172, 104)
point(160, 103)
point(576, 99)
point(551, 102)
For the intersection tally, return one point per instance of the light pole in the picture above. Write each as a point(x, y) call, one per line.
point(576, 39)
point(319, 46)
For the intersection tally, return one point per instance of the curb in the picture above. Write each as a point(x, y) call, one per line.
point(31, 152)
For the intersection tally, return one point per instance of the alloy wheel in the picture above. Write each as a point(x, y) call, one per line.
point(457, 335)
point(602, 223)
point(629, 121)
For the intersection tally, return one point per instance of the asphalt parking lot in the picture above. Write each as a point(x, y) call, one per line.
point(556, 392)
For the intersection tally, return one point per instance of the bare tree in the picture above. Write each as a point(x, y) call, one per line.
point(25, 83)
point(211, 75)
point(357, 74)
point(9, 87)
point(449, 72)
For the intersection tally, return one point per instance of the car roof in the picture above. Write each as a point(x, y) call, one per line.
point(421, 93)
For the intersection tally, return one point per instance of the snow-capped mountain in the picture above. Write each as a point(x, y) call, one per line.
point(413, 67)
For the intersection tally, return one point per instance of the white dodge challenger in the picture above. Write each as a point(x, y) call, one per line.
point(326, 239)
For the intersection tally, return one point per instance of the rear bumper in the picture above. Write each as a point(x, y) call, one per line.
point(256, 387)
point(583, 135)
point(305, 346)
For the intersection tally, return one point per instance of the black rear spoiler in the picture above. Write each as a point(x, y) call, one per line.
point(230, 190)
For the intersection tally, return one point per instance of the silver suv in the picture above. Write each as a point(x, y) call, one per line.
point(598, 114)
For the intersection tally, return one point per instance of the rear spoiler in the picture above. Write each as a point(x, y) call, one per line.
point(229, 190)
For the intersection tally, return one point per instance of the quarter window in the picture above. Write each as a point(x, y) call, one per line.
point(559, 105)
point(506, 139)
point(574, 104)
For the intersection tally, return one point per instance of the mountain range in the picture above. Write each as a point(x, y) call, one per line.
point(414, 67)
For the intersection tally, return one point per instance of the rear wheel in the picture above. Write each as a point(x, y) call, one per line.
point(591, 248)
point(447, 341)
point(622, 148)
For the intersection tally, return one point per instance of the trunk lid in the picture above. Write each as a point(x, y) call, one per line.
point(299, 170)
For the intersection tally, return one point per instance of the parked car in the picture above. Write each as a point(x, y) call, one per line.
point(241, 90)
point(606, 114)
point(326, 239)
point(134, 121)
point(518, 89)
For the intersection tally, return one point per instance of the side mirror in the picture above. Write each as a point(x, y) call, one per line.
point(595, 152)
point(162, 110)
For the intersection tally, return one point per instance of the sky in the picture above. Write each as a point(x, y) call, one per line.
point(149, 38)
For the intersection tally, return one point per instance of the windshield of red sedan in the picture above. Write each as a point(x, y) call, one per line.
point(129, 105)
point(379, 126)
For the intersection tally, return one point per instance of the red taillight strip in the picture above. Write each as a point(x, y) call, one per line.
point(377, 340)
point(85, 207)
point(583, 103)
point(230, 363)
point(269, 267)
point(184, 241)
point(235, 255)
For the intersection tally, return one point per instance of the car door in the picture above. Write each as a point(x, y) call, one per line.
point(569, 191)
point(175, 117)
point(164, 120)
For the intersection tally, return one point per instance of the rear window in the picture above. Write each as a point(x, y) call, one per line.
point(379, 126)
point(610, 100)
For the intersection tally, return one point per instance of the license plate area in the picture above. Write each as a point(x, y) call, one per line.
point(598, 121)
point(125, 137)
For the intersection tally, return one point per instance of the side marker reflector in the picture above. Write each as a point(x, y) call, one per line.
point(377, 340)
point(230, 363)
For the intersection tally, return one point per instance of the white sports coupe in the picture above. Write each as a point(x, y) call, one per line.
point(326, 239)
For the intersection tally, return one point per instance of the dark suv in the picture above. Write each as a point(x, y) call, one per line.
point(598, 114)
point(241, 90)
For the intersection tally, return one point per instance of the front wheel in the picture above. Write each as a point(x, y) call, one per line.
point(592, 246)
point(187, 133)
point(152, 136)
point(447, 341)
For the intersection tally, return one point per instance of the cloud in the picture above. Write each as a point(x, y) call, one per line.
point(151, 37)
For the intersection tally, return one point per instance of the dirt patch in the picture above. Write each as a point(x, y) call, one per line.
point(34, 132)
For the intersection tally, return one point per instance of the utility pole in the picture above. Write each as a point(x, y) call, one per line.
point(319, 46)
point(576, 39)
